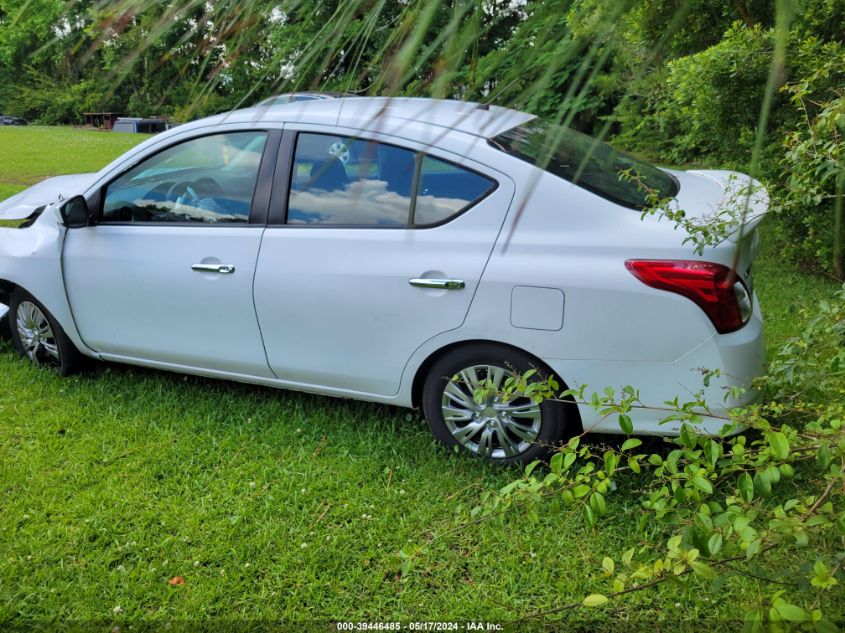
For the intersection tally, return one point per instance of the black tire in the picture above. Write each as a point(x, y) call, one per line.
point(490, 432)
point(53, 348)
point(5, 333)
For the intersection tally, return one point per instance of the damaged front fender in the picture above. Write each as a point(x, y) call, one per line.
point(32, 259)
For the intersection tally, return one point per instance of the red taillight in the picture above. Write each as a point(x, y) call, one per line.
point(714, 288)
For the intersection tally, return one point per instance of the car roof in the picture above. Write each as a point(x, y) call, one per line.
point(384, 114)
point(422, 120)
point(290, 97)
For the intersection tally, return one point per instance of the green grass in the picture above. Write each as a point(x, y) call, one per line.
point(784, 289)
point(273, 505)
point(30, 154)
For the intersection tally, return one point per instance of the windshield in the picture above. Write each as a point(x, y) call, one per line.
point(587, 162)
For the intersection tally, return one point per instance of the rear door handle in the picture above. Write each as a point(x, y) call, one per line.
point(225, 269)
point(443, 284)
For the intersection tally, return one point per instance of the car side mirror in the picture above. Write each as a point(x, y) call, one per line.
point(75, 213)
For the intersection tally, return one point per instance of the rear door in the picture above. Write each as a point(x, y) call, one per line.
point(373, 248)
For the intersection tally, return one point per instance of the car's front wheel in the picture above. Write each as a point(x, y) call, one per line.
point(499, 429)
point(37, 335)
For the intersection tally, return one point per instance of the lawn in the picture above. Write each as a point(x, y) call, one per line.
point(139, 495)
point(30, 154)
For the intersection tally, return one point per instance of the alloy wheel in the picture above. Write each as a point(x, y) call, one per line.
point(36, 334)
point(495, 428)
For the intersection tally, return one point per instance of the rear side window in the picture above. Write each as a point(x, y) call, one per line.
point(344, 181)
point(587, 162)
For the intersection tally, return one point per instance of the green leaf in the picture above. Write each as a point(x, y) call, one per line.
point(790, 612)
point(826, 626)
point(688, 436)
point(626, 424)
point(631, 443)
point(823, 457)
point(746, 487)
point(556, 462)
point(702, 484)
point(704, 570)
point(568, 460)
point(608, 565)
point(595, 600)
point(713, 452)
point(589, 517)
point(581, 490)
point(779, 444)
point(753, 621)
point(611, 460)
point(762, 485)
point(771, 474)
point(714, 544)
point(598, 504)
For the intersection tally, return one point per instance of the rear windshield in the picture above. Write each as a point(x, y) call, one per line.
point(587, 162)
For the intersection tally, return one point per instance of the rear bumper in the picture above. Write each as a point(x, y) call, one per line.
point(738, 356)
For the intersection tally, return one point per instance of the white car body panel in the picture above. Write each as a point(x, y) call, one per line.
point(133, 293)
point(336, 319)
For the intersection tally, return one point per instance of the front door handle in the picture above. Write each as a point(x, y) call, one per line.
point(225, 269)
point(443, 284)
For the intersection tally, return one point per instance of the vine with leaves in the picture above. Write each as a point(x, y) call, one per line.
point(713, 506)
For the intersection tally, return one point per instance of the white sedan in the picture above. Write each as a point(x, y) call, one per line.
point(401, 251)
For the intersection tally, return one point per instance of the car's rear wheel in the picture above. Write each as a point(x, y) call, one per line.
point(37, 335)
point(501, 430)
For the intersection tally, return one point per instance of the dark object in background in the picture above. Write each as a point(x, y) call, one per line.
point(103, 120)
point(6, 119)
point(141, 126)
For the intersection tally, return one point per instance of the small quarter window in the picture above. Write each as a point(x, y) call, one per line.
point(343, 181)
point(446, 190)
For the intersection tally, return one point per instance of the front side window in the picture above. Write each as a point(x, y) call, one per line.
point(345, 181)
point(208, 180)
point(587, 162)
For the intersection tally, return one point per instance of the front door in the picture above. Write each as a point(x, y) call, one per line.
point(166, 275)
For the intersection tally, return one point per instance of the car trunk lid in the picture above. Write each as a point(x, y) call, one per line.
point(736, 199)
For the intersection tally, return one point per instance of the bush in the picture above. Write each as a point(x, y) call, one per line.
point(813, 167)
point(706, 104)
point(705, 107)
point(43, 99)
point(712, 507)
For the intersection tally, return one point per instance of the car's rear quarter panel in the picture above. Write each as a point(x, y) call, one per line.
point(616, 331)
